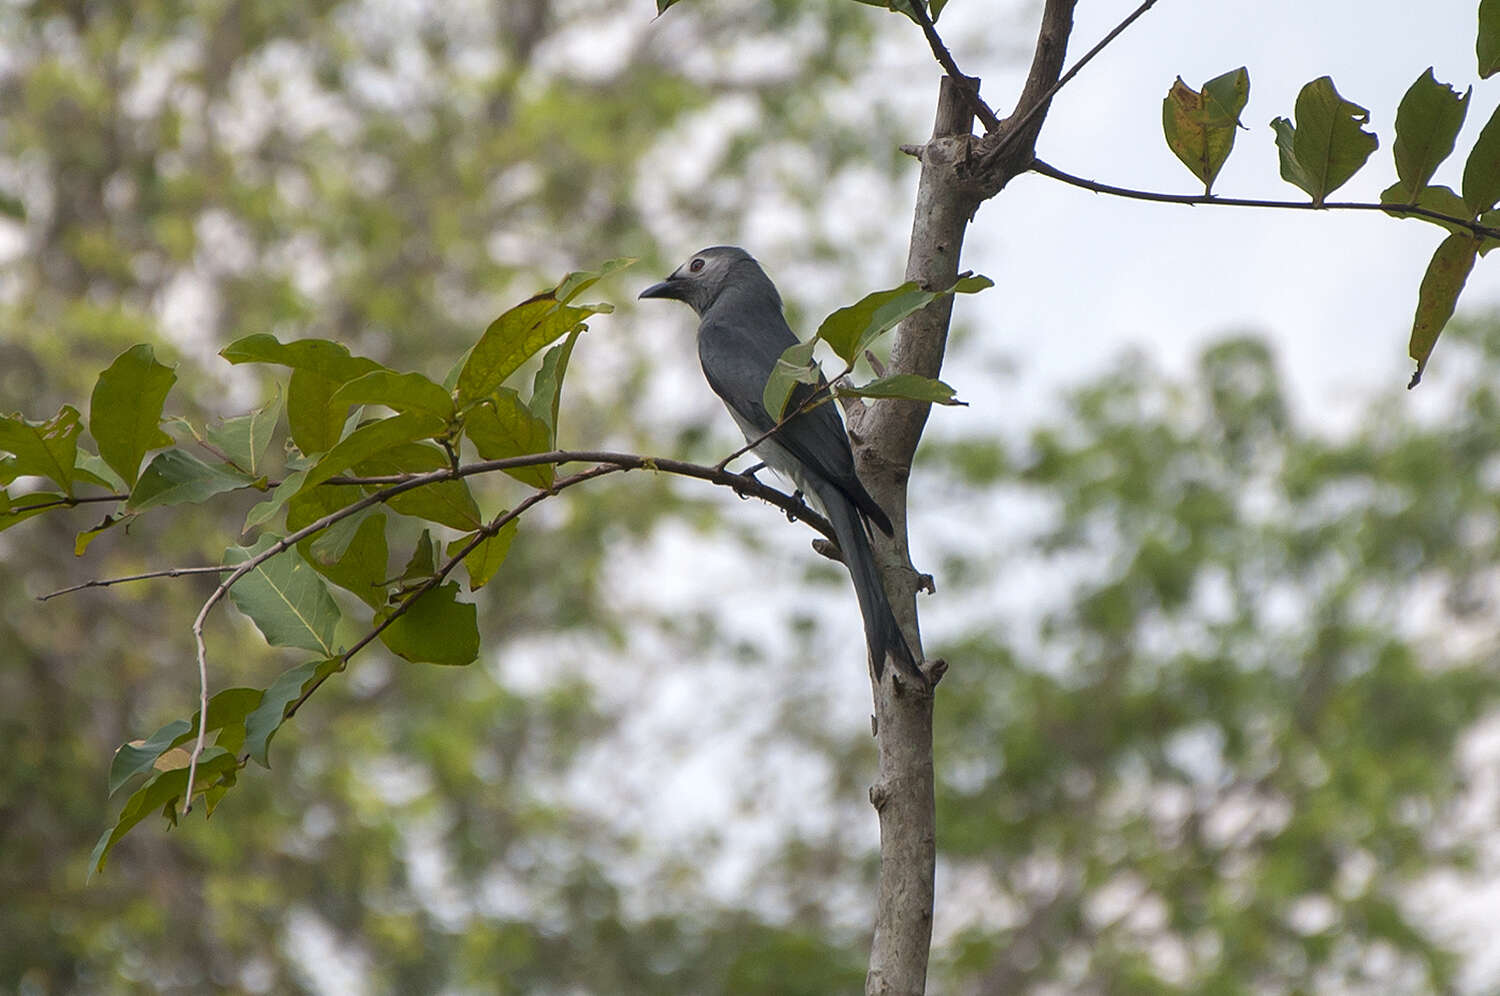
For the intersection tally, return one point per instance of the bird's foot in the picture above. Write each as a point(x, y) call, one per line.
point(796, 496)
point(749, 476)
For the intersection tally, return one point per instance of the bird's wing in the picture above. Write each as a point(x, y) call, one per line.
point(737, 362)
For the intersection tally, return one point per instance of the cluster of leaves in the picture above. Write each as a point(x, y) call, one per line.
point(315, 526)
point(325, 521)
point(396, 219)
point(1326, 143)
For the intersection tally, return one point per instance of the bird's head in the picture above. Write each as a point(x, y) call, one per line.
point(699, 282)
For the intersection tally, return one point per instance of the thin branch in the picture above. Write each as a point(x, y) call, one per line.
point(614, 462)
point(68, 501)
point(495, 525)
point(967, 85)
point(1034, 106)
point(170, 572)
point(1195, 199)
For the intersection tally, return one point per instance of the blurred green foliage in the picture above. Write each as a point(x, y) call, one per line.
point(1225, 761)
point(1217, 764)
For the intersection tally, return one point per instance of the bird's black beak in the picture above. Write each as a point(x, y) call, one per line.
point(667, 288)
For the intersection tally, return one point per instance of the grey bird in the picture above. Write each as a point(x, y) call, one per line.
point(741, 334)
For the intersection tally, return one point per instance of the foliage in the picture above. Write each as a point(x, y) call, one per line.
point(1328, 143)
point(366, 175)
point(1214, 769)
point(1223, 761)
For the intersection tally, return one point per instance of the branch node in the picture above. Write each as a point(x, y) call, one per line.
point(829, 549)
point(933, 671)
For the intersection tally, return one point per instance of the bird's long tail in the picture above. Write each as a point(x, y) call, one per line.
point(882, 634)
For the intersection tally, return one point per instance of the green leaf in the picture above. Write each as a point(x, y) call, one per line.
point(82, 540)
point(1327, 145)
point(400, 391)
point(92, 468)
point(436, 629)
point(140, 756)
point(308, 506)
point(319, 368)
point(512, 339)
point(1200, 126)
point(161, 793)
point(576, 283)
point(314, 421)
point(1482, 168)
point(244, 438)
point(226, 713)
point(262, 724)
point(1490, 219)
point(794, 366)
point(125, 410)
point(852, 329)
point(485, 559)
point(898, 6)
point(848, 329)
point(43, 449)
point(1487, 46)
point(176, 476)
point(262, 512)
point(449, 502)
point(353, 554)
point(321, 356)
point(1445, 278)
point(285, 599)
point(14, 511)
point(1427, 122)
point(329, 546)
point(370, 440)
point(504, 427)
point(546, 387)
point(909, 386)
point(1434, 198)
point(423, 562)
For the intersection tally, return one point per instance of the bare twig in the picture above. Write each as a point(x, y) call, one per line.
point(967, 85)
point(170, 572)
point(1032, 106)
point(68, 501)
point(494, 526)
point(1195, 199)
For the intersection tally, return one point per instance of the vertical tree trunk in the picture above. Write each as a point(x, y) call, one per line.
point(886, 436)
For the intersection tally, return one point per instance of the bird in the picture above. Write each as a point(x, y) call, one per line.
point(742, 332)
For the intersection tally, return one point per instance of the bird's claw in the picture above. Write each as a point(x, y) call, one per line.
point(796, 496)
point(749, 476)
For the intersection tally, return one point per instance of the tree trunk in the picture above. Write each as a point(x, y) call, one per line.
point(886, 436)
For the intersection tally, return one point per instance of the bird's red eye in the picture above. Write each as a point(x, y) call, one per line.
point(695, 266)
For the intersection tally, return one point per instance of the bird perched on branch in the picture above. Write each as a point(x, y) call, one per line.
point(741, 334)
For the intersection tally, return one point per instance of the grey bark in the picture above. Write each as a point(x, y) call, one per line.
point(903, 790)
point(959, 172)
